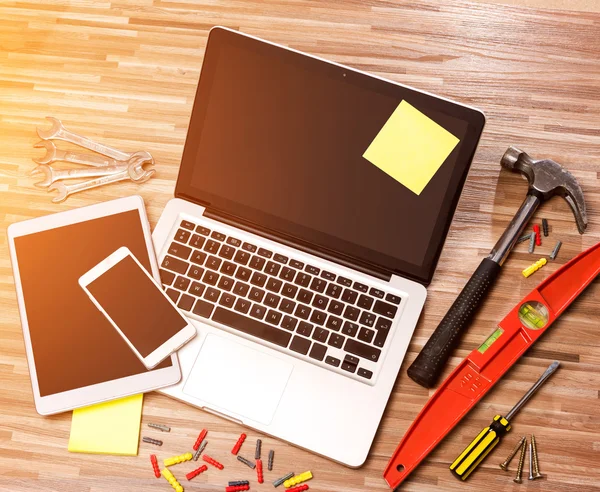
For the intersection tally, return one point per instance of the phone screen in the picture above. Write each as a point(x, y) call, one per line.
point(137, 306)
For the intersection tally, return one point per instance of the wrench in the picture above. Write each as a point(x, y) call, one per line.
point(52, 175)
point(65, 190)
point(53, 154)
point(59, 132)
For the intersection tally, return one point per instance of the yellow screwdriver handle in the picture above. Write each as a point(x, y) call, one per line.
point(480, 447)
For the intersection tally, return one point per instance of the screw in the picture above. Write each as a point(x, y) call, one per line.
point(504, 464)
point(536, 465)
point(521, 461)
point(531, 477)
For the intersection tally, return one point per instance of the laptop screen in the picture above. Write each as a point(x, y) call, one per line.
point(277, 139)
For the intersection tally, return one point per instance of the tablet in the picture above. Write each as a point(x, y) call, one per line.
point(75, 357)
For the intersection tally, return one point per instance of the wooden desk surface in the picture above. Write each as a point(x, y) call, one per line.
point(125, 72)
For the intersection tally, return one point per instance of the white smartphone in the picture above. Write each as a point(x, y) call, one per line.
point(137, 307)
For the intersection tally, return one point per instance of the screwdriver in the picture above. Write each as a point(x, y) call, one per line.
point(487, 439)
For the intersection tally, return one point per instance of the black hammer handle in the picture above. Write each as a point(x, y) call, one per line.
point(428, 365)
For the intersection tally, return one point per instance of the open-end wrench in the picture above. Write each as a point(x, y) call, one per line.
point(65, 190)
point(53, 154)
point(52, 175)
point(59, 132)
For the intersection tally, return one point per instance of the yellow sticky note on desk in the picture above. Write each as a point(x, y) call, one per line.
point(410, 147)
point(107, 428)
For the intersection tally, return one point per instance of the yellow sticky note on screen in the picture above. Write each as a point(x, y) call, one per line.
point(107, 428)
point(410, 147)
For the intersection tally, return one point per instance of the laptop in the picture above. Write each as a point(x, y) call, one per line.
point(302, 265)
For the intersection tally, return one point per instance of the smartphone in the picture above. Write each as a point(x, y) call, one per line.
point(137, 307)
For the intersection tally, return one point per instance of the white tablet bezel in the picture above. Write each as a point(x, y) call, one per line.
point(168, 347)
point(108, 390)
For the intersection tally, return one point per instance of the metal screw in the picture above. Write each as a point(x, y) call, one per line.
point(521, 461)
point(536, 465)
point(504, 464)
point(531, 477)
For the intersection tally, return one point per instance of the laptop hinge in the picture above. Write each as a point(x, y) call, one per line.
point(294, 242)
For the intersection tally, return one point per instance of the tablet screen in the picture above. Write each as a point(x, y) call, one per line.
point(73, 344)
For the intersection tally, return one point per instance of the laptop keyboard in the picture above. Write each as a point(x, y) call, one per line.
point(328, 319)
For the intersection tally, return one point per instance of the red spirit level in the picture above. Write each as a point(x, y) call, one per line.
point(484, 367)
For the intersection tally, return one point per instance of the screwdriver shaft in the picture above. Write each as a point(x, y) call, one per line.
point(547, 373)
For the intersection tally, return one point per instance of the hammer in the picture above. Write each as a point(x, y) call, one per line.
point(546, 179)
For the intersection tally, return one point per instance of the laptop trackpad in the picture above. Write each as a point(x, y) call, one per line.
point(238, 380)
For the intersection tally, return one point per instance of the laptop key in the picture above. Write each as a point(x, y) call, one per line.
point(273, 317)
point(203, 230)
point(346, 282)
point(180, 251)
point(305, 296)
point(265, 252)
point(218, 236)
point(300, 345)
point(241, 257)
point(346, 366)
point(249, 247)
point(349, 328)
point(302, 311)
point(227, 252)
point(257, 263)
point(328, 275)
point(312, 270)
point(227, 300)
point(198, 257)
point(287, 306)
point(257, 311)
point(186, 224)
point(393, 299)
point(182, 283)
point(302, 279)
point(351, 313)
point(383, 324)
point(272, 269)
point(333, 290)
point(367, 319)
point(365, 302)
point(362, 350)
point(243, 274)
point(241, 289)
point(280, 258)
point(334, 323)
point(332, 361)
point(210, 278)
point(364, 373)
point(385, 309)
point(376, 292)
point(304, 328)
point(182, 235)
point(256, 294)
point(186, 302)
point(336, 340)
point(212, 246)
point(174, 264)
point(225, 283)
point(289, 290)
point(318, 317)
point(195, 272)
point(173, 294)
point(274, 285)
point(211, 294)
point(297, 264)
point(287, 274)
point(349, 296)
point(213, 262)
point(252, 327)
point(318, 284)
point(166, 277)
point(360, 287)
point(228, 268)
point(241, 305)
point(196, 289)
point(234, 242)
point(336, 307)
point(317, 351)
point(320, 334)
point(258, 279)
point(203, 308)
point(272, 300)
point(197, 241)
point(320, 302)
point(365, 334)
point(289, 323)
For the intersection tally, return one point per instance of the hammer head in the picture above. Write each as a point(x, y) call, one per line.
point(546, 179)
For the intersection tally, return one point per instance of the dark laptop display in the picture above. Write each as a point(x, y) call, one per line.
point(276, 141)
